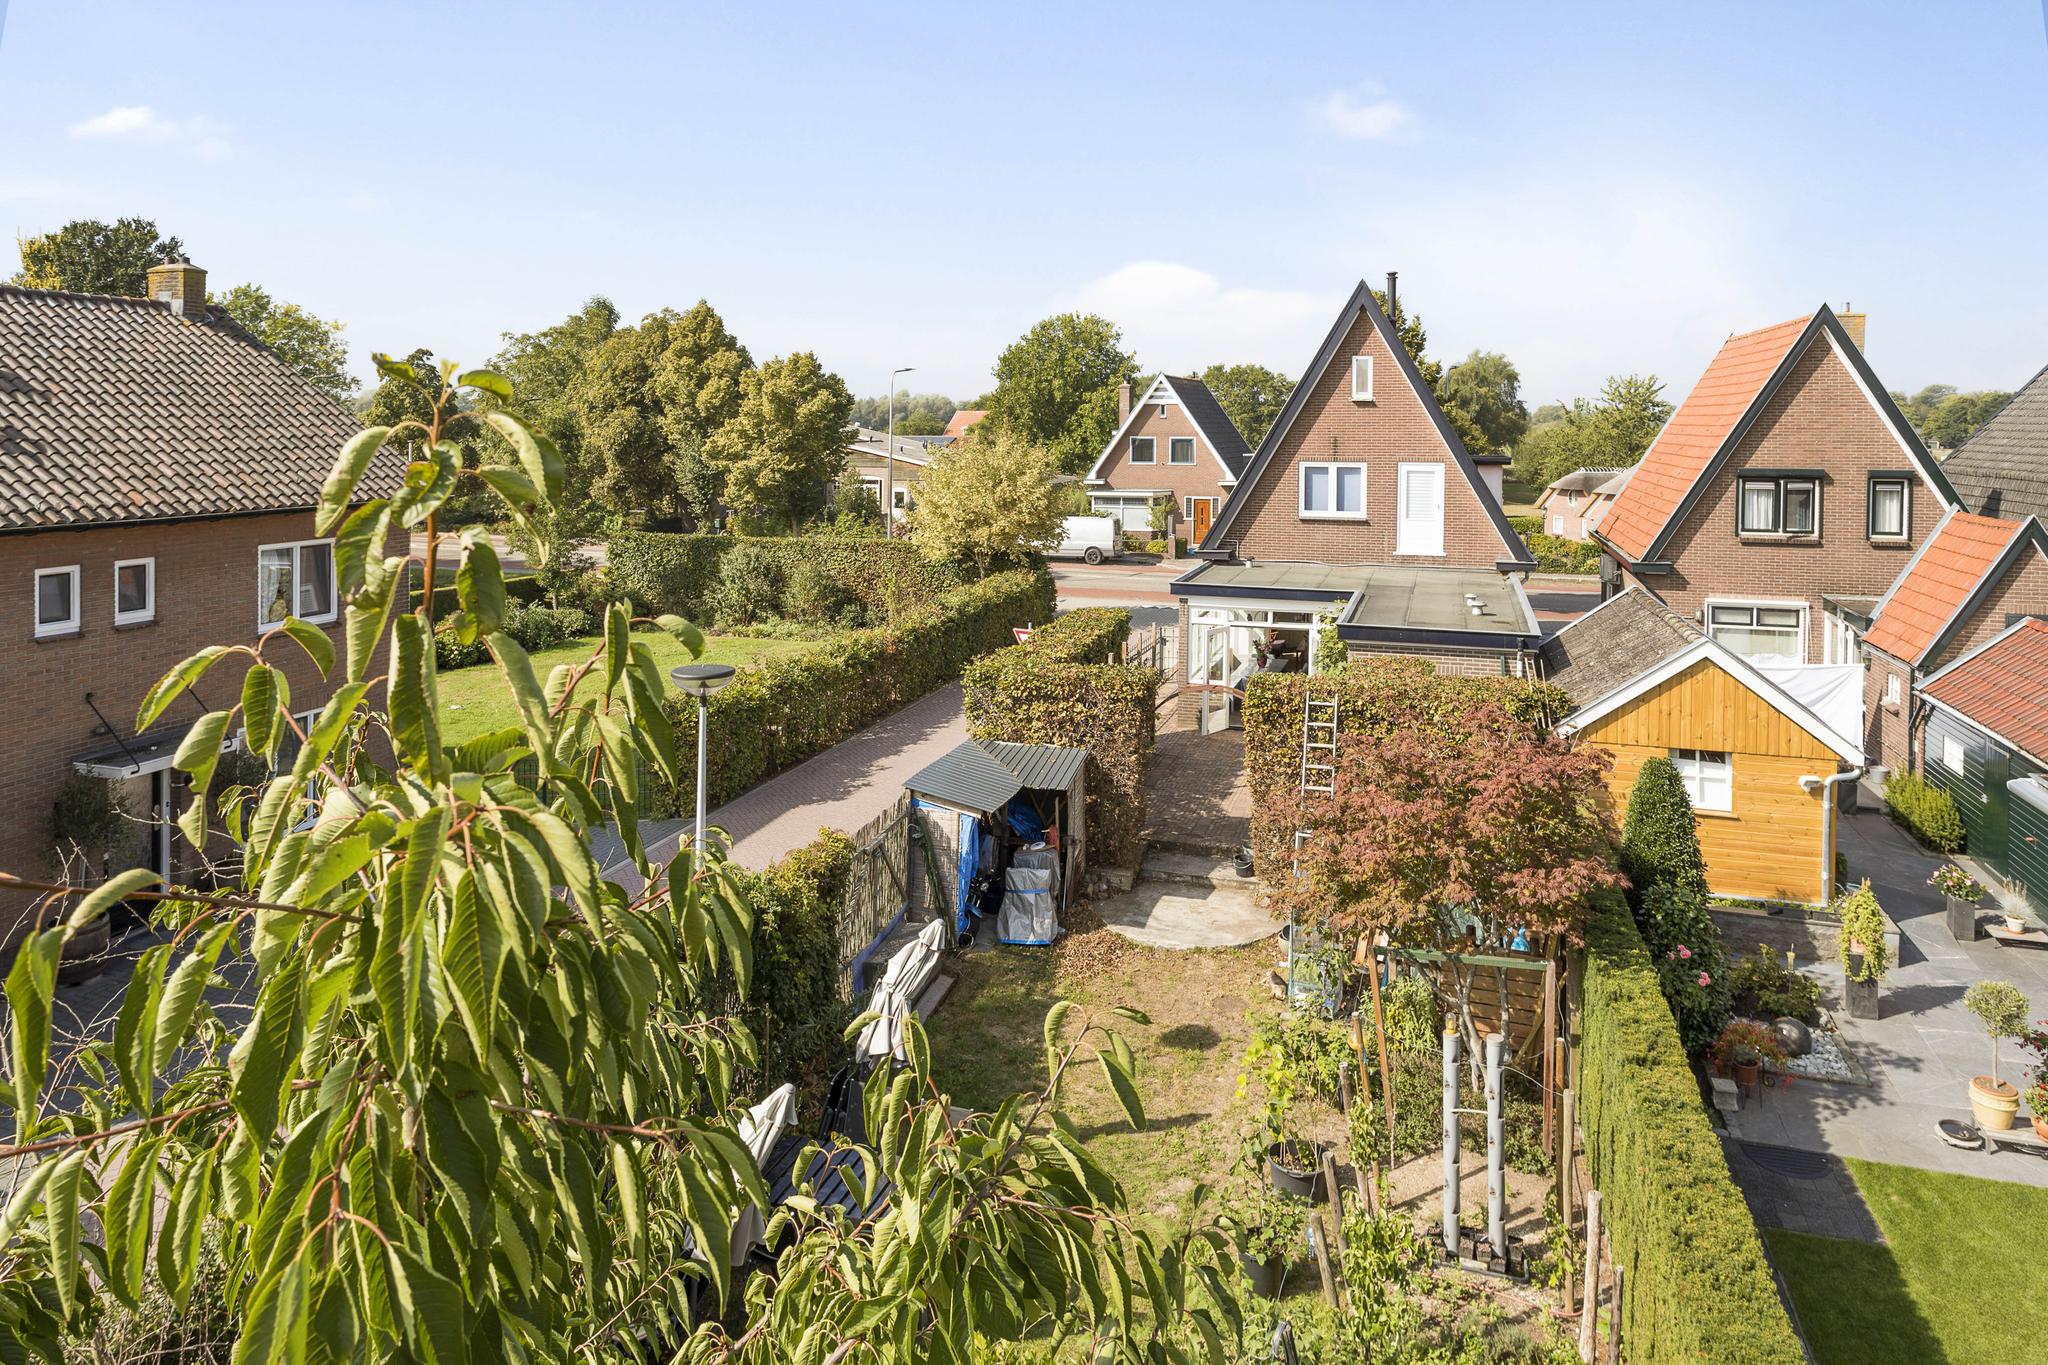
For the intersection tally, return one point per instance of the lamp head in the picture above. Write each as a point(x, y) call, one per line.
point(701, 680)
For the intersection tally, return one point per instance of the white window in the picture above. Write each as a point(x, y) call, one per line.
point(1891, 689)
point(1709, 778)
point(1419, 523)
point(1777, 507)
point(57, 601)
point(295, 580)
point(1887, 509)
point(1762, 634)
point(1361, 378)
point(134, 591)
point(1951, 753)
point(1332, 490)
point(1141, 450)
point(1557, 526)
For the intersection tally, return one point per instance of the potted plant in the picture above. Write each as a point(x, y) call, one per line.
point(1269, 1240)
point(1865, 959)
point(2036, 1042)
point(1743, 1047)
point(2003, 1009)
point(1292, 1164)
point(1961, 891)
point(2016, 922)
point(1242, 860)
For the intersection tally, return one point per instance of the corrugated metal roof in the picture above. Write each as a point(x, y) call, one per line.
point(968, 777)
point(1040, 767)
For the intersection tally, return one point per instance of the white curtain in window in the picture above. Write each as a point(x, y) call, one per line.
point(1759, 507)
point(274, 585)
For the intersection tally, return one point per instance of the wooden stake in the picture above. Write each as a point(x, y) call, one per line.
point(1549, 1051)
point(1567, 1156)
point(1614, 1322)
point(1369, 1190)
point(1379, 1019)
point(1322, 1239)
point(1336, 1203)
point(1344, 1087)
point(1592, 1306)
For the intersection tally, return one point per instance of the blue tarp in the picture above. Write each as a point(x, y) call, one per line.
point(1024, 821)
point(970, 863)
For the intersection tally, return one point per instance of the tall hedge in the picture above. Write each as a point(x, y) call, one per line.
point(777, 714)
point(792, 1003)
point(1699, 1289)
point(1053, 690)
point(677, 573)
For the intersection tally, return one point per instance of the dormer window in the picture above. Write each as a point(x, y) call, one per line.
point(1361, 378)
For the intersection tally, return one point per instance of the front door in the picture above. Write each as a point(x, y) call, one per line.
point(1205, 509)
point(1419, 525)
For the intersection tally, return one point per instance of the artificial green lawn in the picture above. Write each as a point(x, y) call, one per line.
point(475, 700)
point(1959, 1278)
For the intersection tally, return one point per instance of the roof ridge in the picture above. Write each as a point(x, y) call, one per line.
point(1800, 322)
point(80, 296)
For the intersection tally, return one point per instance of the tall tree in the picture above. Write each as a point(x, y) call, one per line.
point(1056, 387)
point(87, 256)
point(986, 501)
point(1415, 340)
point(1486, 389)
point(1944, 417)
point(546, 370)
point(1250, 395)
point(917, 414)
point(786, 444)
point(310, 345)
point(698, 381)
point(1610, 433)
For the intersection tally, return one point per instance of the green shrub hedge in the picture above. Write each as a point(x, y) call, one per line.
point(778, 713)
point(793, 1004)
point(1057, 689)
point(1526, 524)
point(1560, 554)
point(519, 587)
point(680, 573)
point(1699, 1288)
point(1927, 811)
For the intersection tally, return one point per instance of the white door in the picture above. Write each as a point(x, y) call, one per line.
point(1419, 528)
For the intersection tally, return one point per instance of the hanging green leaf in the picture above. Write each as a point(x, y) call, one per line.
point(349, 466)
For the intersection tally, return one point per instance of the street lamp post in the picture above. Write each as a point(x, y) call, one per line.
point(889, 458)
point(700, 681)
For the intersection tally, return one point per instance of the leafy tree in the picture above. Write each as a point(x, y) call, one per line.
point(1415, 340)
point(87, 256)
point(1945, 418)
point(1485, 388)
point(987, 500)
point(1251, 395)
point(917, 414)
point(921, 424)
point(1611, 433)
point(310, 345)
point(546, 369)
point(785, 445)
point(1056, 387)
point(1660, 841)
point(479, 1110)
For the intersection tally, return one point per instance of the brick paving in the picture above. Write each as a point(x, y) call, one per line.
point(1196, 795)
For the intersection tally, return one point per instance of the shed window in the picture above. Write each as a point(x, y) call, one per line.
point(1951, 753)
point(1891, 689)
point(1709, 778)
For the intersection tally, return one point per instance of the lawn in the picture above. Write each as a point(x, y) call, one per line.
point(1518, 499)
point(1959, 1276)
point(476, 700)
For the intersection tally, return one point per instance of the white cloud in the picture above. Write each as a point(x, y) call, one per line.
point(140, 123)
point(1366, 118)
point(1179, 318)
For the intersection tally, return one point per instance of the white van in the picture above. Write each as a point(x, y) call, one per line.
point(1093, 539)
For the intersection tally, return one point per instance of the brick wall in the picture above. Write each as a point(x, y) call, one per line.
point(2023, 591)
point(1463, 663)
point(1202, 479)
point(205, 594)
point(1394, 428)
point(1885, 739)
point(1819, 419)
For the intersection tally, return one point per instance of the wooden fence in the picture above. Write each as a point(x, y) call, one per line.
point(878, 886)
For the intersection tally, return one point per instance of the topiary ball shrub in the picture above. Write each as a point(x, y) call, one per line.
point(1659, 842)
point(750, 586)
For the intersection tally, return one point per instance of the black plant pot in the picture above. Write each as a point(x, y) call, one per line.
point(1266, 1276)
point(1242, 860)
point(1862, 995)
point(1962, 920)
point(1292, 1168)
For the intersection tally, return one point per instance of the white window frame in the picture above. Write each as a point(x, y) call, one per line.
point(1401, 507)
point(1361, 370)
point(1557, 524)
point(333, 584)
point(1905, 530)
point(1173, 445)
point(49, 630)
point(1753, 604)
point(1330, 467)
point(1953, 753)
point(1892, 691)
point(1838, 641)
point(1709, 778)
point(148, 612)
point(1151, 450)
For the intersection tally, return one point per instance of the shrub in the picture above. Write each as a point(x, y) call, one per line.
point(1677, 1220)
point(678, 573)
point(812, 595)
point(1863, 926)
point(1558, 554)
point(1659, 841)
point(539, 628)
point(451, 653)
point(1762, 985)
point(1685, 945)
point(1526, 525)
point(1928, 812)
point(750, 579)
point(519, 587)
point(1086, 635)
point(793, 1003)
point(1414, 1021)
point(2002, 1008)
point(1158, 547)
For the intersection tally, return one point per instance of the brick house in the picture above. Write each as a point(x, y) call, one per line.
point(1571, 505)
point(1782, 498)
point(157, 471)
point(1175, 445)
point(1360, 512)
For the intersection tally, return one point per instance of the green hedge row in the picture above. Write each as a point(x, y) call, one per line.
point(793, 1004)
point(1699, 1288)
point(1560, 554)
point(676, 573)
point(1058, 689)
point(1926, 810)
point(777, 714)
point(521, 587)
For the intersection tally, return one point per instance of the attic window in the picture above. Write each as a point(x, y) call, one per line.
point(1777, 507)
point(1887, 509)
point(1142, 450)
point(1180, 450)
point(1361, 378)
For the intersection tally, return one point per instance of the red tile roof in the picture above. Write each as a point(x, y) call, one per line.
point(1935, 585)
point(2004, 687)
point(1695, 432)
point(963, 420)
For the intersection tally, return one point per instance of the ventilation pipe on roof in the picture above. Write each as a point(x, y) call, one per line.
point(1393, 305)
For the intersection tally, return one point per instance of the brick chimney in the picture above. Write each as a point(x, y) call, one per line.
point(182, 285)
point(1852, 323)
point(1123, 402)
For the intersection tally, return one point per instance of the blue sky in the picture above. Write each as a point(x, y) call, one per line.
point(1590, 189)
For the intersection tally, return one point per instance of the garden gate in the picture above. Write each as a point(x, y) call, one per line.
point(878, 886)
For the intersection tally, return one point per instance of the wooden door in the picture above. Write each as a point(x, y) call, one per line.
point(1205, 508)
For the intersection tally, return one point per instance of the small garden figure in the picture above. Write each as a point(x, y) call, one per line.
point(2003, 1009)
point(1962, 892)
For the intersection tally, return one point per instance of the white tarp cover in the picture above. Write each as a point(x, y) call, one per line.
point(1833, 692)
point(760, 1130)
point(910, 970)
point(1030, 912)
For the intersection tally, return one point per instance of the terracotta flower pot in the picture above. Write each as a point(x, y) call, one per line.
point(2041, 1128)
point(1749, 1073)
point(1994, 1104)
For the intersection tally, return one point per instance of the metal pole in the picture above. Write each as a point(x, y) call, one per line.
point(889, 459)
point(1451, 1042)
point(1496, 1172)
point(703, 725)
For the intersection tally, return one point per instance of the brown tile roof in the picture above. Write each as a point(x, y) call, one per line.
point(118, 410)
point(1615, 643)
point(2002, 470)
point(2003, 687)
point(1699, 428)
point(962, 420)
point(1937, 582)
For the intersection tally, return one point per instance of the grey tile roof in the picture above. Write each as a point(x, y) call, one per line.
point(2002, 470)
point(118, 410)
point(1213, 422)
point(1617, 641)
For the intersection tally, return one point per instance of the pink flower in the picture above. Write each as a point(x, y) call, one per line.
point(1684, 951)
point(1704, 978)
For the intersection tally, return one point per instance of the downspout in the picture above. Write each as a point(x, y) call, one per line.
point(1827, 825)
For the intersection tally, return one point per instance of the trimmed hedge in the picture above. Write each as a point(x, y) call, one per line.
point(1699, 1288)
point(1928, 812)
point(776, 714)
point(519, 587)
point(680, 572)
point(1057, 689)
point(793, 1004)
point(1561, 554)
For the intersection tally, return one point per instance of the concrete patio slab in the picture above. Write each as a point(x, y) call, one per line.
point(1174, 915)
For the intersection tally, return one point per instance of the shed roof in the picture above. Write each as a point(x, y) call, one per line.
point(2002, 687)
point(969, 777)
point(1040, 767)
point(1613, 643)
